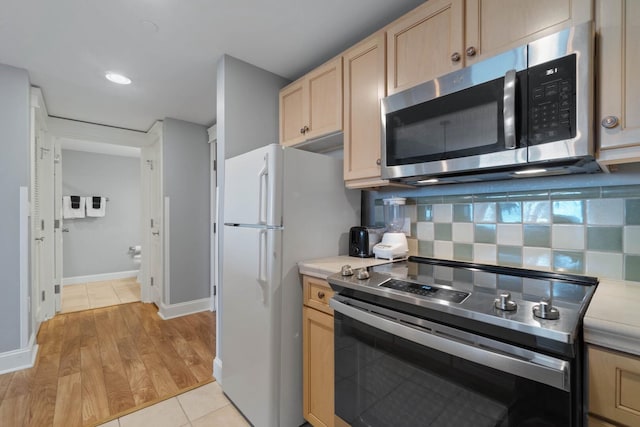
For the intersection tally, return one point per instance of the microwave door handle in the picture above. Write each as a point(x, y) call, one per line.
point(509, 110)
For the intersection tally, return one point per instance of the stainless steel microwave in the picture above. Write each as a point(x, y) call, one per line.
point(524, 112)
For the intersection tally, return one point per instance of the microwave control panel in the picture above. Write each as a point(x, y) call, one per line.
point(552, 100)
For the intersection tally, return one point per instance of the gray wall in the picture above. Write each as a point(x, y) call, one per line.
point(185, 151)
point(100, 245)
point(14, 173)
point(247, 106)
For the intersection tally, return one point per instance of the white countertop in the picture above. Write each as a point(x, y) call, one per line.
point(324, 267)
point(613, 317)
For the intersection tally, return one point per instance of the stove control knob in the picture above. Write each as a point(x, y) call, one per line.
point(504, 302)
point(347, 270)
point(544, 310)
point(362, 274)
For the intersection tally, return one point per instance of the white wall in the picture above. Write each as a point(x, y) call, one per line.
point(14, 173)
point(99, 245)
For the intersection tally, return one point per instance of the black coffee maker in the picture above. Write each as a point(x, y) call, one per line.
point(362, 240)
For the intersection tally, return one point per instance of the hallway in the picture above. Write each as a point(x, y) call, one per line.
point(96, 364)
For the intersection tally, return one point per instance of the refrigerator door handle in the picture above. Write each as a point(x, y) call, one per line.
point(263, 197)
point(262, 264)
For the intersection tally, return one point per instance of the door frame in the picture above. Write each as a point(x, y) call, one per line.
point(213, 213)
point(63, 131)
point(58, 250)
point(151, 178)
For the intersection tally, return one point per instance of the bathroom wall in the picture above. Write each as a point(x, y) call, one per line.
point(95, 246)
point(580, 224)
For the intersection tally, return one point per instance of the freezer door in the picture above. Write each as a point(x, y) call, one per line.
point(251, 322)
point(253, 187)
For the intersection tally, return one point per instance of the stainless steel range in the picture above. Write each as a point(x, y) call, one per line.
point(431, 342)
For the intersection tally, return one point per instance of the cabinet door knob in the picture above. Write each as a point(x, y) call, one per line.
point(302, 131)
point(320, 294)
point(609, 122)
point(455, 57)
point(378, 162)
point(306, 129)
point(471, 51)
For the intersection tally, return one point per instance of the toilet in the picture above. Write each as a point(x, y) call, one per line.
point(136, 254)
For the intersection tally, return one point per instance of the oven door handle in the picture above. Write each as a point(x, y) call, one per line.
point(556, 376)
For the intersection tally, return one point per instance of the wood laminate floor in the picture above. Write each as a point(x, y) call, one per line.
point(93, 365)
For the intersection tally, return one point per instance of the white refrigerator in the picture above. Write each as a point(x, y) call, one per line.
point(281, 206)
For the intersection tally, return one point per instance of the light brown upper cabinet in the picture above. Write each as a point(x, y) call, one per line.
point(445, 35)
point(311, 106)
point(494, 26)
point(364, 87)
point(618, 86)
point(425, 43)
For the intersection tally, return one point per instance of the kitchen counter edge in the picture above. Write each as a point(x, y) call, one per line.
point(613, 319)
point(325, 267)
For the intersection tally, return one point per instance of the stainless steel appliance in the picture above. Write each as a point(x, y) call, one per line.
point(525, 112)
point(443, 343)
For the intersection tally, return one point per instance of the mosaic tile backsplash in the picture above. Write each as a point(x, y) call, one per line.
point(593, 231)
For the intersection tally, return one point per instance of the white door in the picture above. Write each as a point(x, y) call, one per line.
point(47, 259)
point(152, 250)
point(42, 249)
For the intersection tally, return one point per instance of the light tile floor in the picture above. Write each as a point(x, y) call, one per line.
point(99, 294)
point(200, 407)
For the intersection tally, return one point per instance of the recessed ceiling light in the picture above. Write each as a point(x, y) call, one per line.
point(118, 78)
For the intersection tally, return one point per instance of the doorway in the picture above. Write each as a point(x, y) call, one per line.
point(101, 224)
point(70, 141)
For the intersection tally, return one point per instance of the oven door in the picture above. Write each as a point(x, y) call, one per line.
point(392, 369)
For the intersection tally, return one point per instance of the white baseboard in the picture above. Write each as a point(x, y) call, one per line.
point(99, 277)
point(169, 311)
point(217, 370)
point(22, 358)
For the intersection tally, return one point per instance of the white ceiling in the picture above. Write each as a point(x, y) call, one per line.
point(68, 45)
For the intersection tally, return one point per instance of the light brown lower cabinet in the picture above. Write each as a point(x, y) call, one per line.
point(614, 388)
point(317, 353)
point(596, 422)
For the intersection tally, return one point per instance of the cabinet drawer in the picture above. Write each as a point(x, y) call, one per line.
point(317, 294)
point(614, 386)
